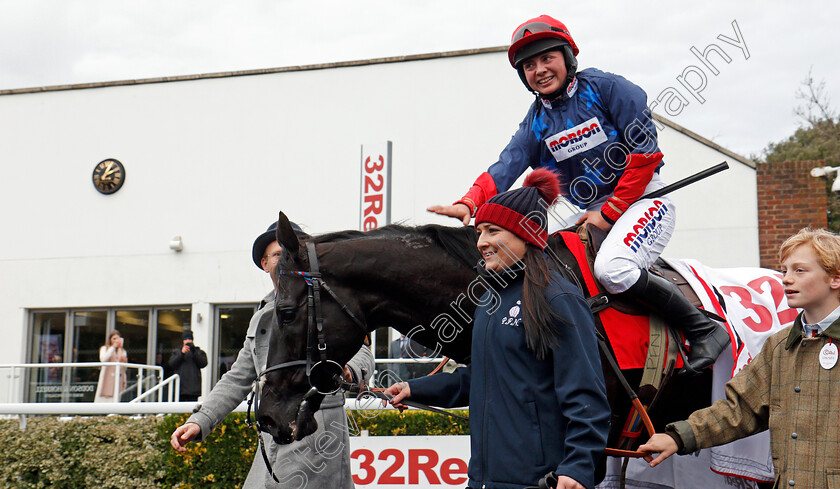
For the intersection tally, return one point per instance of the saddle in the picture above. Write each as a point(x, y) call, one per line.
point(592, 237)
point(637, 339)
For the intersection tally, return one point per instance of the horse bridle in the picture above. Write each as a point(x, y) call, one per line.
point(325, 382)
point(325, 376)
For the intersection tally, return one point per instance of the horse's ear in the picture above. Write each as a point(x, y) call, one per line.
point(286, 236)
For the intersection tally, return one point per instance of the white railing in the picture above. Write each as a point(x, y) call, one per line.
point(171, 385)
point(128, 408)
point(23, 409)
point(142, 403)
point(15, 376)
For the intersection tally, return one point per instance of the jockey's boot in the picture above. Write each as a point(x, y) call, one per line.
point(663, 298)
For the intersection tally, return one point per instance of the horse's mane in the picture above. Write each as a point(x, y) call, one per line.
point(457, 242)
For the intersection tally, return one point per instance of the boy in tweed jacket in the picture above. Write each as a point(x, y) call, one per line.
point(792, 387)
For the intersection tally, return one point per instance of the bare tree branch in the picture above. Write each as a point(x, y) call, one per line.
point(817, 107)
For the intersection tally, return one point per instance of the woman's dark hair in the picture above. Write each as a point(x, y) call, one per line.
point(539, 318)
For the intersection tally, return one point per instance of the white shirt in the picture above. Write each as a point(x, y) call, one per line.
point(812, 330)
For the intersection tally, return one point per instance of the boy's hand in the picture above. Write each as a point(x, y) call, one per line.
point(460, 211)
point(659, 443)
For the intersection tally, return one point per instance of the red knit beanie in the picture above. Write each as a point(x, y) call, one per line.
point(523, 211)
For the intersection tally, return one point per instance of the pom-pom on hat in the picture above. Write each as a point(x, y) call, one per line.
point(523, 211)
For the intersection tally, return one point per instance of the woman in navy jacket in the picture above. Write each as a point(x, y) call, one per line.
point(535, 387)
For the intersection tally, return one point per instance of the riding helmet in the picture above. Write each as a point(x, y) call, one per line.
point(537, 36)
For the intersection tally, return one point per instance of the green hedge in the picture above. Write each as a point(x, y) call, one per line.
point(126, 453)
point(394, 423)
point(111, 452)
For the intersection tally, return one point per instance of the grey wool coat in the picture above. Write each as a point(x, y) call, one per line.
point(299, 464)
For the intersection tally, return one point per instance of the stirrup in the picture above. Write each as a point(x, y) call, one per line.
point(687, 370)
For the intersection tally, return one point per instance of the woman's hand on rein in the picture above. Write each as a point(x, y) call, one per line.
point(460, 211)
point(399, 391)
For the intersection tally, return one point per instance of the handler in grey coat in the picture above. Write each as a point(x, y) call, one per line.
point(319, 460)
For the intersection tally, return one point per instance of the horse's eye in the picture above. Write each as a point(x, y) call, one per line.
point(287, 315)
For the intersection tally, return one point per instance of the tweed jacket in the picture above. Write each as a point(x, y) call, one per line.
point(319, 460)
point(784, 389)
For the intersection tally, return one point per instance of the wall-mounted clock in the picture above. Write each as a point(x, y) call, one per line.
point(108, 176)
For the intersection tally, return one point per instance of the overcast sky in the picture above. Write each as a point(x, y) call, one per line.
point(749, 103)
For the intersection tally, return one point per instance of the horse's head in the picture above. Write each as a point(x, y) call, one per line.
point(299, 373)
point(417, 280)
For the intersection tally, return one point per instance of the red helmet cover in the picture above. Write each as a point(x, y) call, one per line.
point(537, 28)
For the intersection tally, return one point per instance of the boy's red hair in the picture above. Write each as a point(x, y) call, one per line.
point(826, 246)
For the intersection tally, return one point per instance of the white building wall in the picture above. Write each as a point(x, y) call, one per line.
point(717, 218)
point(213, 160)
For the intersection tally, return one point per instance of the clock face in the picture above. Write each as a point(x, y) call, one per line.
point(108, 176)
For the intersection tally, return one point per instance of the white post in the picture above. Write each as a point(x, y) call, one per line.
point(117, 384)
point(11, 381)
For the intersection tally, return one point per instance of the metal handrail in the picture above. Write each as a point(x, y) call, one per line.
point(16, 368)
point(409, 360)
point(81, 364)
point(174, 391)
point(93, 408)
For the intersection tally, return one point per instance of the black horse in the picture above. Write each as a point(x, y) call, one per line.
point(421, 281)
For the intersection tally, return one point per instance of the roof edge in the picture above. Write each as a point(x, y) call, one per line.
point(265, 71)
point(708, 142)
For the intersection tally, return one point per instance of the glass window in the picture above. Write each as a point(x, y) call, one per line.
point(133, 326)
point(415, 358)
point(89, 333)
point(48, 333)
point(232, 325)
point(382, 342)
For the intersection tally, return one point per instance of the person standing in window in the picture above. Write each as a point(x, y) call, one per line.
point(188, 362)
point(112, 351)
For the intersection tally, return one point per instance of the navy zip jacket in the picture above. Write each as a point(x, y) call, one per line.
point(586, 136)
point(599, 138)
point(528, 416)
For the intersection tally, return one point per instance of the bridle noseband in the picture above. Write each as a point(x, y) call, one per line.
point(321, 380)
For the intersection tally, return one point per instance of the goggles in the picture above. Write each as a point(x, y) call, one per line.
point(533, 28)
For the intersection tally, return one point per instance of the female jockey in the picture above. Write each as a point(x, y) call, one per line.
point(535, 387)
point(594, 129)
